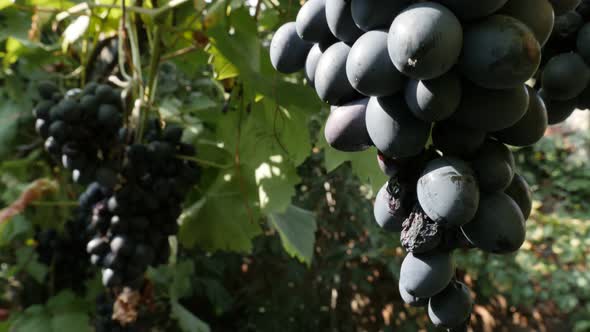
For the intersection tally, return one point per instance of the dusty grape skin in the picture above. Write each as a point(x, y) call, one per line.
point(434, 100)
point(451, 307)
point(393, 129)
point(448, 191)
point(340, 21)
point(288, 51)
point(311, 24)
point(426, 275)
point(331, 83)
point(369, 68)
point(425, 41)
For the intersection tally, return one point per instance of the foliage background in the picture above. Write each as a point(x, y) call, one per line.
point(279, 233)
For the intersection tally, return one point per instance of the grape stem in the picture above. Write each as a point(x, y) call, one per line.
point(150, 95)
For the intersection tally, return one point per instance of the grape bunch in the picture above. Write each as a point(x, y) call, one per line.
point(133, 196)
point(441, 88)
point(80, 128)
point(564, 77)
point(65, 252)
point(134, 216)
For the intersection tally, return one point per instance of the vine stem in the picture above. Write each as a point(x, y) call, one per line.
point(154, 64)
point(150, 94)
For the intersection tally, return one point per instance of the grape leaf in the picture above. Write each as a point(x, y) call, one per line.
point(14, 23)
point(276, 182)
point(182, 279)
point(65, 301)
point(220, 298)
point(296, 228)
point(241, 47)
point(27, 259)
point(5, 3)
point(187, 321)
point(9, 113)
point(11, 229)
point(226, 218)
point(34, 319)
point(272, 144)
point(71, 322)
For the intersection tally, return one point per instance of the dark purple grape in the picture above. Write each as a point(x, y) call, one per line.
point(557, 76)
point(498, 227)
point(530, 128)
point(411, 299)
point(311, 23)
point(369, 68)
point(470, 10)
point(536, 14)
point(490, 109)
point(376, 14)
point(425, 41)
point(448, 191)
point(451, 307)
point(340, 21)
point(520, 192)
point(499, 52)
point(331, 82)
point(345, 128)
point(434, 100)
point(426, 275)
point(287, 50)
point(494, 166)
point(393, 129)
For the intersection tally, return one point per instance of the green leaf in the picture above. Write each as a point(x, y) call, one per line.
point(14, 23)
point(6, 325)
point(182, 281)
point(226, 218)
point(13, 228)
point(187, 321)
point(224, 69)
point(71, 322)
point(9, 113)
point(65, 301)
point(276, 182)
point(241, 47)
point(217, 294)
point(297, 230)
point(27, 259)
point(34, 319)
point(6, 3)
